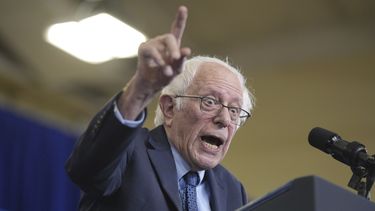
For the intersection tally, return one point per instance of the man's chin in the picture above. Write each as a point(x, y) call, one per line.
point(206, 164)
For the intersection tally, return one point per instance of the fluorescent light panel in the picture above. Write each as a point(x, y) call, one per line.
point(96, 39)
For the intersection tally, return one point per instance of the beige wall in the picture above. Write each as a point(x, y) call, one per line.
point(272, 148)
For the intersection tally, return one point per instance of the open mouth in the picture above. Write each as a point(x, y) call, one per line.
point(212, 142)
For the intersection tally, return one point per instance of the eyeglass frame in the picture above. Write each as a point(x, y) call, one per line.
point(217, 102)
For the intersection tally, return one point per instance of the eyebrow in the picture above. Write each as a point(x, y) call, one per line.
point(218, 96)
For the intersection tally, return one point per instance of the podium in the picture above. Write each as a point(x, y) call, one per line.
point(310, 193)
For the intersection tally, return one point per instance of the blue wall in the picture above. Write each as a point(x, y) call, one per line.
point(32, 157)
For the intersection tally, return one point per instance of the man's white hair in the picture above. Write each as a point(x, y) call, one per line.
point(181, 82)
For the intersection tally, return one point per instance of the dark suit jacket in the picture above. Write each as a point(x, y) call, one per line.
point(122, 168)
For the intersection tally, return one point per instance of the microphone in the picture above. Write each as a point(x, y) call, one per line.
point(353, 154)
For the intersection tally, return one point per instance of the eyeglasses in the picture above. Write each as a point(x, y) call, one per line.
point(212, 106)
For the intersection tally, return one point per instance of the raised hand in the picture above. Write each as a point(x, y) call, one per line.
point(160, 59)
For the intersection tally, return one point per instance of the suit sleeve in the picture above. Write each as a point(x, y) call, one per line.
point(101, 153)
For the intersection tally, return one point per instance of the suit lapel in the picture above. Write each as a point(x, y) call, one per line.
point(218, 195)
point(162, 160)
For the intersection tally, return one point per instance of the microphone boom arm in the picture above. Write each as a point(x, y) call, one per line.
point(363, 178)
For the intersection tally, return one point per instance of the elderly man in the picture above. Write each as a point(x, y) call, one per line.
point(121, 166)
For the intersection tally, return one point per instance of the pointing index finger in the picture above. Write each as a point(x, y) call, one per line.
point(178, 25)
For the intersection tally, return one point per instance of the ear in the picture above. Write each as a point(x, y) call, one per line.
point(166, 106)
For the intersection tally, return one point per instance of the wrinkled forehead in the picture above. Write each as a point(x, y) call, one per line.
point(214, 71)
point(213, 77)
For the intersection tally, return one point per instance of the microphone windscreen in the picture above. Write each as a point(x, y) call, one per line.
point(319, 138)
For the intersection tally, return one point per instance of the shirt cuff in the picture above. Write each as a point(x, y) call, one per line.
point(130, 123)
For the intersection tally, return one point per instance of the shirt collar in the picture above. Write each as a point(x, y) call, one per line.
point(182, 166)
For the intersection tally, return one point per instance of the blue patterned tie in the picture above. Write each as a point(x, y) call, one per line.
point(188, 192)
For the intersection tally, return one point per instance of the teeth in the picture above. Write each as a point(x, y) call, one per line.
point(210, 146)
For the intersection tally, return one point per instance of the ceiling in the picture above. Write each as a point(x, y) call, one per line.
point(305, 59)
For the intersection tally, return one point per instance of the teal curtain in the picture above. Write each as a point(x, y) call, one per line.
point(32, 157)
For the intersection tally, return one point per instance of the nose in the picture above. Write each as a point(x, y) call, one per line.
point(222, 118)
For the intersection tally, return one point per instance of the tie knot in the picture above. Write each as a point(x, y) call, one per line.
point(192, 178)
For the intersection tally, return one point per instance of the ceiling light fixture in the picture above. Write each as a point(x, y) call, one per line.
point(96, 39)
